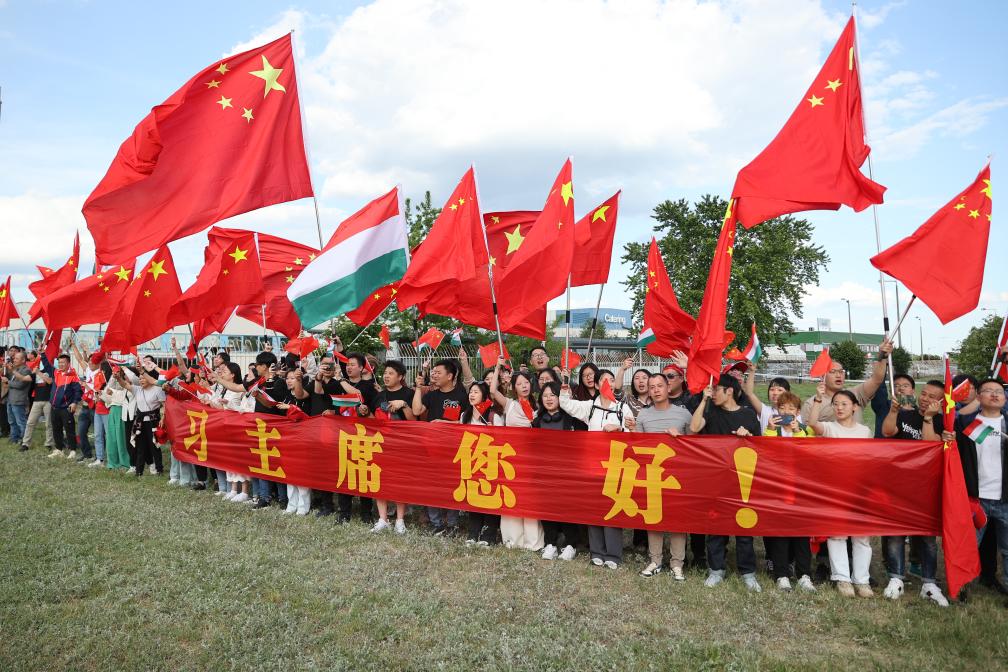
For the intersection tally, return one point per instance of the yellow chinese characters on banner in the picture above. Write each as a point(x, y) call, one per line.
point(356, 460)
point(264, 450)
point(481, 463)
point(196, 435)
point(622, 480)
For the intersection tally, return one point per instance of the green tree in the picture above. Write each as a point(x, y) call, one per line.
point(771, 265)
point(977, 350)
point(850, 356)
point(600, 330)
point(901, 360)
point(420, 219)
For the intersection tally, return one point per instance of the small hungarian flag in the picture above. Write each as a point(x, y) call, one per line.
point(431, 339)
point(384, 336)
point(345, 400)
point(646, 336)
point(754, 350)
point(456, 337)
point(978, 431)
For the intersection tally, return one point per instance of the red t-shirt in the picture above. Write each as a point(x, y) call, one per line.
point(99, 383)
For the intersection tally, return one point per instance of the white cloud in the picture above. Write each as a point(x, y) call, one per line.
point(868, 19)
point(45, 227)
point(858, 294)
point(957, 120)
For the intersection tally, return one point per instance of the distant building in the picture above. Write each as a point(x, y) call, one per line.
point(813, 341)
point(618, 323)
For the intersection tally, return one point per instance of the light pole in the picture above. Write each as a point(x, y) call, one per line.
point(899, 335)
point(850, 328)
point(920, 324)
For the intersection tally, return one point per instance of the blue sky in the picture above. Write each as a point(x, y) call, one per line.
point(661, 100)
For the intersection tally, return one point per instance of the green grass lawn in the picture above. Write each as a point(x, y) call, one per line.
point(102, 571)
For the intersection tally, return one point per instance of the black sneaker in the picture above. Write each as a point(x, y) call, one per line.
point(23, 448)
point(993, 584)
point(321, 513)
point(199, 485)
point(261, 504)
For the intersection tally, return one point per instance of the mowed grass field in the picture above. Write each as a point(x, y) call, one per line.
point(101, 571)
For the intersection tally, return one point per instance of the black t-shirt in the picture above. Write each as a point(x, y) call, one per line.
point(385, 396)
point(720, 421)
point(686, 400)
point(436, 401)
point(304, 404)
point(910, 425)
point(276, 388)
point(322, 402)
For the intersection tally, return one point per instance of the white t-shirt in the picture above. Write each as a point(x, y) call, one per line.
point(834, 430)
point(989, 460)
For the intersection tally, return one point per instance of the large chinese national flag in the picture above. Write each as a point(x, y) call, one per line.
point(709, 338)
point(452, 251)
point(142, 313)
point(942, 262)
point(540, 270)
point(90, 300)
point(815, 161)
point(227, 142)
point(52, 280)
point(230, 277)
point(593, 240)
point(8, 310)
point(282, 261)
point(672, 326)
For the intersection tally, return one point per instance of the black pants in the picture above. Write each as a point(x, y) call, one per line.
point(989, 554)
point(147, 449)
point(572, 533)
point(483, 527)
point(4, 423)
point(64, 428)
point(322, 500)
point(781, 549)
point(698, 547)
point(346, 508)
point(745, 555)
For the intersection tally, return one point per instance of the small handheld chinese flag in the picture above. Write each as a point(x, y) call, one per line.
point(7, 308)
point(569, 360)
point(606, 390)
point(822, 365)
point(384, 336)
point(490, 352)
point(526, 407)
point(302, 347)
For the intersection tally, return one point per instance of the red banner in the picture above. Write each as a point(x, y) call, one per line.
point(704, 484)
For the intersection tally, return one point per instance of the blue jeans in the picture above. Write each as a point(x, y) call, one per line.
point(99, 435)
point(85, 416)
point(997, 516)
point(222, 483)
point(263, 489)
point(440, 517)
point(17, 416)
point(745, 554)
point(927, 548)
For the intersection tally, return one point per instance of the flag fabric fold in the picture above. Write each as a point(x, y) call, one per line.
point(53, 281)
point(671, 326)
point(8, 311)
point(593, 237)
point(142, 313)
point(814, 162)
point(91, 300)
point(227, 142)
point(281, 262)
point(942, 262)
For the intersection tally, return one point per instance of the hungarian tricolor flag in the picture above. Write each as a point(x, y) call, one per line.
point(91, 300)
point(227, 142)
point(942, 262)
point(230, 277)
point(708, 339)
point(815, 161)
point(978, 431)
point(52, 281)
point(369, 250)
point(753, 351)
point(142, 313)
point(345, 400)
point(645, 337)
point(456, 337)
point(962, 560)
point(453, 251)
point(540, 270)
point(8, 311)
point(281, 262)
point(672, 327)
point(593, 237)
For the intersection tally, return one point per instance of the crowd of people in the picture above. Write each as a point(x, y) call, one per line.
point(122, 401)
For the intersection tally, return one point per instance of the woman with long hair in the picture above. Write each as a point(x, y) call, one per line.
point(482, 527)
point(551, 416)
point(587, 385)
point(517, 532)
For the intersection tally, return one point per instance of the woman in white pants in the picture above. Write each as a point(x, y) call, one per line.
point(850, 581)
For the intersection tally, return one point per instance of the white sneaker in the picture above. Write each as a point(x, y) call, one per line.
point(220, 493)
point(677, 573)
point(931, 591)
point(229, 495)
point(783, 583)
point(479, 544)
point(380, 526)
point(55, 453)
point(652, 569)
point(568, 553)
point(598, 562)
point(894, 590)
point(400, 526)
point(805, 584)
point(96, 463)
point(302, 513)
point(715, 577)
point(470, 542)
point(72, 455)
point(172, 481)
point(550, 552)
point(751, 583)
point(240, 497)
point(611, 564)
point(152, 470)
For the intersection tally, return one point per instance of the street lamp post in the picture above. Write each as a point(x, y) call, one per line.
point(850, 328)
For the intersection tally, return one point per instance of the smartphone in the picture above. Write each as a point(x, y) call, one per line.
point(907, 400)
point(785, 419)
